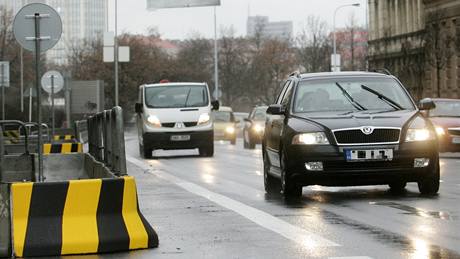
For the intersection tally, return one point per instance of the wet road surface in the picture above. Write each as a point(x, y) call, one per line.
point(217, 208)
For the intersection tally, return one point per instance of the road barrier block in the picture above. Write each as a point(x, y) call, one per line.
point(62, 148)
point(78, 217)
point(63, 137)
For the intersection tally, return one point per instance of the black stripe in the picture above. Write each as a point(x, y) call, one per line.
point(113, 235)
point(153, 237)
point(74, 148)
point(56, 149)
point(44, 228)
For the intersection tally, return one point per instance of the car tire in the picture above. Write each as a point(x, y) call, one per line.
point(233, 141)
point(429, 185)
point(251, 143)
point(288, 187)
point(245, 142)
point(207, 151)
point(147, 152)
point(397, 187)
point(271, 183)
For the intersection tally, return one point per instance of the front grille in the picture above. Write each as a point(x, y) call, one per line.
point(372, 165)
point(356, 136)
point(454, 132)
point(172, 124)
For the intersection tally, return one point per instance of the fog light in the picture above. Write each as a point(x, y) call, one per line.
point(421, 162)
point(314, 166)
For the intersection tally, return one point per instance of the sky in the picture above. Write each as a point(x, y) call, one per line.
point(183, 23)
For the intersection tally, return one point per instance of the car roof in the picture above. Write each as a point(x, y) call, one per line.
point(174, 84)
point(323, 75)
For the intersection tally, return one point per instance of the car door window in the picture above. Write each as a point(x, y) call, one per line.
point(287, 95)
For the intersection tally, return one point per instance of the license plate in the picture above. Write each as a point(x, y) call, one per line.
point(456, 140)
point(180, 138)
point(369, 155)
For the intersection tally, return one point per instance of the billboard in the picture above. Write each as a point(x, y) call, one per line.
point(160, 4)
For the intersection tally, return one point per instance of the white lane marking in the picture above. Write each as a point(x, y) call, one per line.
point(351, 257)
point(263, 219)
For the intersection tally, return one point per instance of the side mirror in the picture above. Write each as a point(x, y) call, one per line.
point(276, 109)
point(247, 120)
point(215, 105)
point(426, 104)
point(138, 108)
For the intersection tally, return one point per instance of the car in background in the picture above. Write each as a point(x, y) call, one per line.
point(240, 116)
point(348, 129)
point(254, 127)
point(225, 124)
point(446, 119)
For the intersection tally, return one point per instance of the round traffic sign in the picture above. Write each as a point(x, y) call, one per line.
point(52, 79)
point(49, 23)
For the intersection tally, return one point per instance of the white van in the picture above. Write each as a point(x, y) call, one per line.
point(175, 116)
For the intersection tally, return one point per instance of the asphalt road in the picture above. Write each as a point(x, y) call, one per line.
point(217, 208)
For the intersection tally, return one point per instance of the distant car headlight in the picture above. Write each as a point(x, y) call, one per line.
point(154, 121)
point(203, 119)
point(315, 138)
point(440, 131)
point(419, 135)
point(230, 130)
point(258, 128)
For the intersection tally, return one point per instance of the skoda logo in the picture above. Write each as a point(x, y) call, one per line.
point(367, 130)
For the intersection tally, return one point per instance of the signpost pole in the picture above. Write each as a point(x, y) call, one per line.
point(30, 104)
point(52, 105)
point(216, 61)
point(3, 90)
point(37, 87)
point(22, 80)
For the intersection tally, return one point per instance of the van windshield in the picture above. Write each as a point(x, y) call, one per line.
point(179, 96)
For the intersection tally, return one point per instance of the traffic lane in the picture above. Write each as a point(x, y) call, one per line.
point(215, 180)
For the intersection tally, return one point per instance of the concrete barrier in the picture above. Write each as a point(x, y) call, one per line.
point(5, 226)
point(78, 217)
point(66, 138)
point(62, 148)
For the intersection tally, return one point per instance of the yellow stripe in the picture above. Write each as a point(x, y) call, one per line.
point(66, 148)
point(138, 237)
point(80, 148)
point(79, 223)
point(46, 149)
point(68, 137)
point(21, 195)
point(56, 137)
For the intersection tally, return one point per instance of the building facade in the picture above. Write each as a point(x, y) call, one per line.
point(81, 20)
point(267, 29)
point(417, 40)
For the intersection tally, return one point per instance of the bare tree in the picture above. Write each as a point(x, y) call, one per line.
point(313, 46)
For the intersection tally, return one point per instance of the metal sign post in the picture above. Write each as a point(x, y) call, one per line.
point(52, 82)
point(44, 23)
point(4, 82)
point(52, 106)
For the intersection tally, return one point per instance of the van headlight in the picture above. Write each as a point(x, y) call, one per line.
point(419, 135)
point(204, 119)
point(154, 121)
point(315, 138)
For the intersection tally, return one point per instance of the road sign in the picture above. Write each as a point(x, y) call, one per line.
point(52, 79)
point(108, 54)
point(50, 26)
point(4, 74)
point(335, 63)
point(160, 4)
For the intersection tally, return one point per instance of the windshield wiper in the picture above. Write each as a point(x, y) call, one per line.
point(383, 98)
point(188, 95)
point(350, 99)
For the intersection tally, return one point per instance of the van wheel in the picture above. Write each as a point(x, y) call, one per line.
point(207, 151)
point(145, 152)
point(430, 184)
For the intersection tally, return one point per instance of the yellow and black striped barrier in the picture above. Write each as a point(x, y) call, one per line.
point(63, 137)
point(78, 217)
point(62, 148)
point(12, 136)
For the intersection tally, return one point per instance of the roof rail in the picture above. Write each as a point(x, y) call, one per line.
point(295, 73)
point(381, 70)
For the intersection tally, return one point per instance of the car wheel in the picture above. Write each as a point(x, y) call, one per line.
point(233, 141)
point(251, 143)
point(430, 184)
point(271, 184)
point(147, 152)
point(245, 141)
point(207, 151)
point(288, 187)
point(397, 187)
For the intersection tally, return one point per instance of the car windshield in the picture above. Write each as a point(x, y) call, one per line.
point(446, 109)
point(221, 116)
point(176, 96)
point(349, 95)
point(260, 114)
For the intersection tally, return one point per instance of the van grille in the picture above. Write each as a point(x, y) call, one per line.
point(356, 136)
point(172, 124)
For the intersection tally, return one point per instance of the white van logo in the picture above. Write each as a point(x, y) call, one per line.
point(367, 130)
point(179, 125)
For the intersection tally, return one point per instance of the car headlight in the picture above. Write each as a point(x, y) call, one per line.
point(419, 135)
point(440, 131)
point(315, 138)
point(203, 119)
point(258, 128)
point(154, 121)
point(230, 130)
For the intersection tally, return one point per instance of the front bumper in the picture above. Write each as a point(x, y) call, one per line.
point(337, 171)
point(162, 140)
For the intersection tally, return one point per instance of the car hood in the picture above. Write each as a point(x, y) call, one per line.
point(446, 122)
point(340, 120)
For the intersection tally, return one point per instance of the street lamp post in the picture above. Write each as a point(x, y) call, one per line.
point(334, 63)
